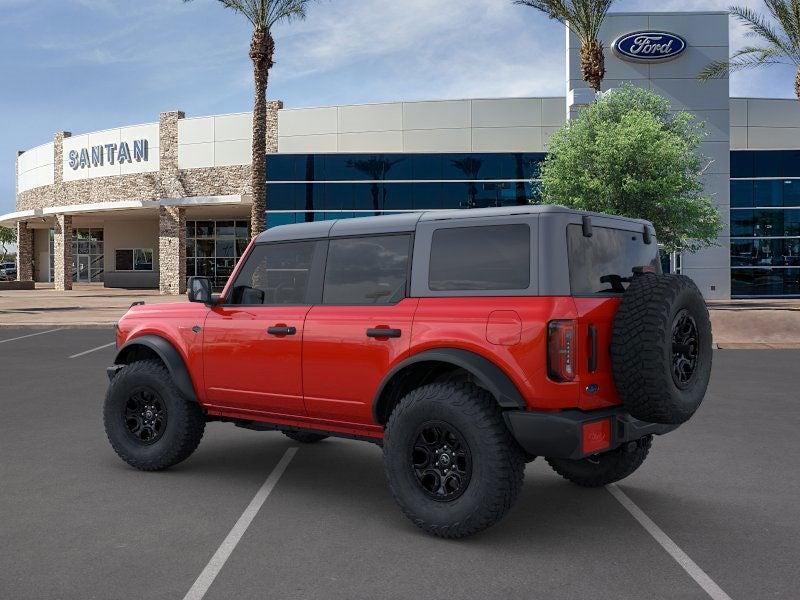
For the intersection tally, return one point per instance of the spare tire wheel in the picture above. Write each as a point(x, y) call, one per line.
point(661, 348)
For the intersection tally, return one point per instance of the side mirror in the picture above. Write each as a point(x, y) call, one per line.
point(198, 289)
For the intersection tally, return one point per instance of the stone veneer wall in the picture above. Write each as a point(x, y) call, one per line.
point(168, 182)
point(24, 252)
point(62, 251)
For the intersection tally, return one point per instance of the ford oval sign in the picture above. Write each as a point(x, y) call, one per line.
point(649, 46)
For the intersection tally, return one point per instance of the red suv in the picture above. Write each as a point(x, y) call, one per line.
point(464, 342)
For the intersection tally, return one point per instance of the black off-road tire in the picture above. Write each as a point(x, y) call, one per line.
point(497, 462)
point(643, 351)
point(185, 420)
point(602, 469)
point(305, 437)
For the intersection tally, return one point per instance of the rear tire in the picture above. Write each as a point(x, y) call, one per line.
point(661, 348)
point(148, 422)
point(602, 469)
point(451, 463)
point(305, 437)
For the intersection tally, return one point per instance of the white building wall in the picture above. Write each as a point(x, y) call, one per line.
point(116, 136)
point(480, 125)
point(215, 141)
point(765, 124)
point(35, 167)
point(706, 35)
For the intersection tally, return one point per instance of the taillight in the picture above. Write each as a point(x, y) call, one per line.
point(561, 350)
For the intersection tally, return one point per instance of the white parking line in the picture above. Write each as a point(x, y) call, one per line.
point(206, 578)
point(85, 352)
point(22, 337)
point(695, 572)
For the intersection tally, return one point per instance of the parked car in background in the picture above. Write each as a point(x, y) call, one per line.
point(8, 271)
point(464, 342)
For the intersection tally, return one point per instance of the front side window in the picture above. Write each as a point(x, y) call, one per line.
point(598, 264)
point(492, 257)
point(368, 270)
point(275, 274)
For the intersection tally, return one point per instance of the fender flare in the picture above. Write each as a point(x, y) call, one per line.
point(169, 355)
point(491, 376)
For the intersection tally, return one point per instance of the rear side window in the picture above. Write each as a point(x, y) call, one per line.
point(607, 253)
point(367, 270)
point(491, 257)
point(275, 274)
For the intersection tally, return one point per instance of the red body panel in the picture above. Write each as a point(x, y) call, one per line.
point(342, 367)
point(326, 376)
point(246, 367)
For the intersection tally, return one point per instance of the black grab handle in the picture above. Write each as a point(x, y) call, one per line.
point(281, 330)
point(383, 332)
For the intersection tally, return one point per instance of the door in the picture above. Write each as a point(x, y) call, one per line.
point(83, 269)
point(252, 342)
point(361, 328)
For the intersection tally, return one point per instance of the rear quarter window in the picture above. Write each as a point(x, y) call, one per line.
point(490, 257)
point(607, 252)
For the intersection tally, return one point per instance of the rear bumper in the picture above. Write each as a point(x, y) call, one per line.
point(560, 434)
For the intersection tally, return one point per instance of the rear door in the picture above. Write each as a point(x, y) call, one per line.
point(595, 263)
point(253, 342)
point(361, 328)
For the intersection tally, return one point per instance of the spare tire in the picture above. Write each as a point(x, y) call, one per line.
point(661, 348)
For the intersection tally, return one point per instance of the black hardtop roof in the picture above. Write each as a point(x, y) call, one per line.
point(407, 222)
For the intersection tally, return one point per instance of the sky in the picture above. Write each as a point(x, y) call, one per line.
point(86, 65)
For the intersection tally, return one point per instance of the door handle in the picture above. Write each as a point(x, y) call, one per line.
point(383, 332)
point(281, 330)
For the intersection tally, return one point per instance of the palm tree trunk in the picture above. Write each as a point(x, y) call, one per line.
point(797, 84)
point(262, 48)
point(593, 64)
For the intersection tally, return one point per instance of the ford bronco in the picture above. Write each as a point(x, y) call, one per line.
point(465, 343)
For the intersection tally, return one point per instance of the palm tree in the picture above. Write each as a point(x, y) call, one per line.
point(583, 18)
point(262, 15)
point(780, 42)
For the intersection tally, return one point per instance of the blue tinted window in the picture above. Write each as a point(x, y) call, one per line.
point(765, 282)
point(742, 164)
point(791, 192)
point(281, 167)
point(791, 222)
point(397, 196)
point(274, 219)
point(768, 163)
point(339, 196)
point(790, 165)
point(741, 194)
point(464, 166)
point(282, 196)
point(429, 195)
point(455, 195)
point(768, 193)
point(426, 166)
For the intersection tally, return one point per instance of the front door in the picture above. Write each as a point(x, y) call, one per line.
point(252, 341)
point(83, 269)
point(362, 327)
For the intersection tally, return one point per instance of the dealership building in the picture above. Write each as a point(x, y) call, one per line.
point(145, 206)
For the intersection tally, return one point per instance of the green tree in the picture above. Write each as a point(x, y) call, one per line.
point(8, 236)
point(263, 15)
point(584, 19)
point(778, 37)
point(628, 155)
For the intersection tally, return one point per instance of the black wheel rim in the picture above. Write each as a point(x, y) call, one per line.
point(145, 416)
point(685, 348)
point(441, 461)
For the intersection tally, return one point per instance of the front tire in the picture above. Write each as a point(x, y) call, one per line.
point(605, 468)
point(148, 422)
point(451, 463)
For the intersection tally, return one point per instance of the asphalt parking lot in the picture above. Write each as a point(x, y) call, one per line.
point(76, 522)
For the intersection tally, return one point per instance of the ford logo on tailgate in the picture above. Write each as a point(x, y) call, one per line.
point(649, 46)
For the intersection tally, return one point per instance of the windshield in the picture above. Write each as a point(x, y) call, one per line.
point(604, 262)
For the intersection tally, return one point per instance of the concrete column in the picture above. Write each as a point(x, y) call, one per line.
point(171, 250)
point(24, 252)
point(62, 250)
point(171, 184)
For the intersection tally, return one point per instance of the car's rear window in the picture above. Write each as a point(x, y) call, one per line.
point(607, 253)
point(491, 257)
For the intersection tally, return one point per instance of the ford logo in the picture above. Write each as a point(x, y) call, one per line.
point(649, 46)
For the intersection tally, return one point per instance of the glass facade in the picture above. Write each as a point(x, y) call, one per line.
point(213, 247)
point(313, 187)
point(765, 223)
point(87, 255)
